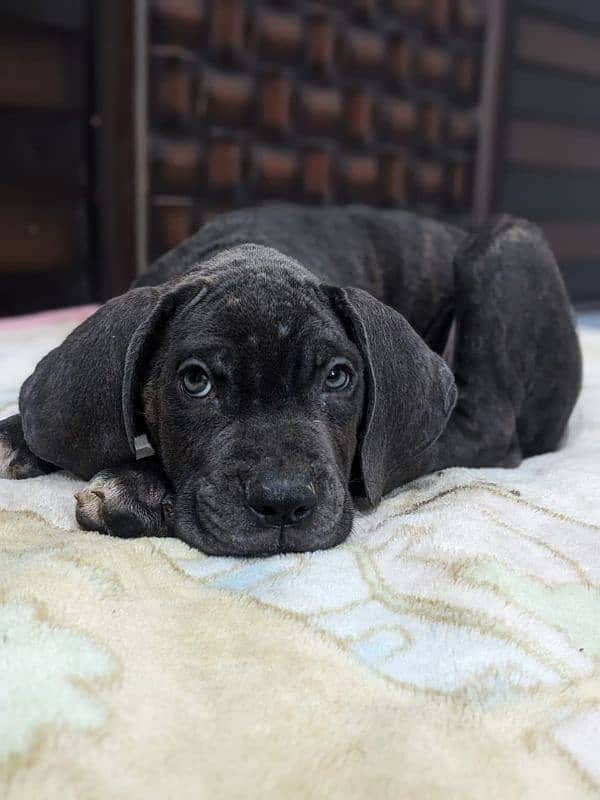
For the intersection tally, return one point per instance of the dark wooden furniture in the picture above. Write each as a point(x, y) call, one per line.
point(316, 102)
point(66, 221)
point(44, 189)
point(127, 123)
point(547, 162)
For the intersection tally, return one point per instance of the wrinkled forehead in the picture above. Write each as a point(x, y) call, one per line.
point(250, 313)
point(261, 304)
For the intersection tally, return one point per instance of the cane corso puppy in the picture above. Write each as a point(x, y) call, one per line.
point(285, 362)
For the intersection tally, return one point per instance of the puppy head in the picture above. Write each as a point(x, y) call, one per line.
point(252, 399)
point(266, 396)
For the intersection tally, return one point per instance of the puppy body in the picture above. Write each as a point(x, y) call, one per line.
point(403, 260)
point(318, 336)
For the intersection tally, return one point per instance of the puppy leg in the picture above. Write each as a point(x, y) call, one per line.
point(16, 459)
point(517, 364)
point(493, 350)
point(128, 501)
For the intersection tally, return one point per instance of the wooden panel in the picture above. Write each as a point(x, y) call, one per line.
point(428, 182)
point(276, 35)
point(116, 174)
point(551, 195)
point(540, 144)
point(40, 70)
point(275, 103)
point(66, 14)
point(176, 164)
point(273, 171)
point(317, 174)
point(177, 21)
point(555, 46)
point(42, 154)
point(313, 102)
point(549, 169)
point(412, 10)
point(397, 119)
point(45, 104)
point(574, 241)
point(226, 98)
point(551, 96)
point(395, 179)
point(583, 281)
point(224, 164)
point(227, 29)
point(439, 16)
point(434, 65)
point(470, 17)
point(359, 178)
point(582, 11)
point(38, 290)
point(37, 238)
point(173, 86)
point(320, 42)
point(171, 220)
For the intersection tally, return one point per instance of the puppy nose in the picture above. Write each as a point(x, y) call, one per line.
point(281, 500)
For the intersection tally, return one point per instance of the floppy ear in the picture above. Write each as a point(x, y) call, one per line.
point(79, 407)
point(410, 391)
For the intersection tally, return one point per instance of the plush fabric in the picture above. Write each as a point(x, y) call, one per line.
point(449, 649)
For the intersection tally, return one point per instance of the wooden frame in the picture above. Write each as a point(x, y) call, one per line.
point(114, 147)
point(490, 133)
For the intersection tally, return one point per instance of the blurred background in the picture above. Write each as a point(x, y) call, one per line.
point(124, 124)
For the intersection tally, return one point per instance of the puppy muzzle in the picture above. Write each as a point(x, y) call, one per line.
point(265, 514)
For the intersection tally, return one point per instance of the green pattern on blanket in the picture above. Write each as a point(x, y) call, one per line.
point(573, 608)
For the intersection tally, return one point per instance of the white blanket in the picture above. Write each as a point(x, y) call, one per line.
point(450, 648)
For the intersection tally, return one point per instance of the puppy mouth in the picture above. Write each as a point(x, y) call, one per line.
point(199, 523)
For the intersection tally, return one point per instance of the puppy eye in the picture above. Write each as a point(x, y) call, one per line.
point(195, 379)
point(338, 378)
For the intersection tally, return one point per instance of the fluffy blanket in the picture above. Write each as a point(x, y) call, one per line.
point(449, 649)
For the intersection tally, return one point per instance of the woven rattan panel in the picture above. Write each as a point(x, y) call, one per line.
point(325, 102)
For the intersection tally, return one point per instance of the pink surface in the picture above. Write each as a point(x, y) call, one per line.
point(75, 314)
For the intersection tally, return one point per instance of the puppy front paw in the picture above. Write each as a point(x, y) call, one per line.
point(16, 459)
point(128, 502)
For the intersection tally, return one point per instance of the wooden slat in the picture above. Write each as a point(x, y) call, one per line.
point(177, 21)
point(173, 81)
point(574, 241)
point(224, 97)
point(579, 11)
point(37, 238)
point(541, 144)
point(319, 102)
point(274, 171)
point(470, 16)
point(553, 96)
point(492, 106)
point(115, 152)
point(551, 195)
point(41, 70)
point(172, 220)
point(553, 45)
point(583, 281)
point(175, 164)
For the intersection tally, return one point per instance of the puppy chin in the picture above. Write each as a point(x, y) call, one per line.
point(296, 540)
point(237, 535)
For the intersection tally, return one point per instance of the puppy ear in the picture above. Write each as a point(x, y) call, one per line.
point(79, 406)
point(410, 391)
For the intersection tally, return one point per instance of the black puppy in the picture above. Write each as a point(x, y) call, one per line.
point(272, 397)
